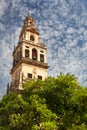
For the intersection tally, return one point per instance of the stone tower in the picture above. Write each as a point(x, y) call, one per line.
point(29, 57)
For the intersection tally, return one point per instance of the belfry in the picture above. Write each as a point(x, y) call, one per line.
point(29, 57)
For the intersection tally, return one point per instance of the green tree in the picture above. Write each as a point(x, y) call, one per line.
point(54, 104)
point(66, 98)
point(41, 117)
point(11, 105)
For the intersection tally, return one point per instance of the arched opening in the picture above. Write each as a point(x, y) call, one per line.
point(24, 35)
point(26, 53)
point(34, 54)
point(31, 38)
point(41, 58)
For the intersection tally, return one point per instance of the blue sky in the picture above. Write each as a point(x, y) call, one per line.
point(63, 27)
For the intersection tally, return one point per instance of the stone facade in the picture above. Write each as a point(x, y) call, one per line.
point(29, 57)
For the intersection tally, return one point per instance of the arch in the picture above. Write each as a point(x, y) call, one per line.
point(26, 53)
point(32, 38)
point(24, 35)
point(34, 54)
point(41, 58)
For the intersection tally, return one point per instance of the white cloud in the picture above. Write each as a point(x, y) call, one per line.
point(62, 25)
point(3, 7)
point(70, 30)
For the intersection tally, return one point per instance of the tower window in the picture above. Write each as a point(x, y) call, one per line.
point(34, 54)
point(26, 53)
point(27, 46)
point(18, 56)
point(31, 38)
point(20, 53)
point(14, 62)
point(30, 75)
point(24, 35)
point(41, 51)
point(39, 77)
point(41, 58)
point(30, 22)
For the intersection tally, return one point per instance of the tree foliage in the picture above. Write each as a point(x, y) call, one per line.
point(54, 104)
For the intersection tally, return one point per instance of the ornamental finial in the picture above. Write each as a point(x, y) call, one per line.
point(29, 12)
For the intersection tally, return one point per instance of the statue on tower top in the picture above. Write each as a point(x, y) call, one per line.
point(29, 13)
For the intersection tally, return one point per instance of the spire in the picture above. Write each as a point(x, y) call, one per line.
point(29, 18)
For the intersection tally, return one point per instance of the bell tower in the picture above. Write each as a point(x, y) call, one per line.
point(29, 57)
